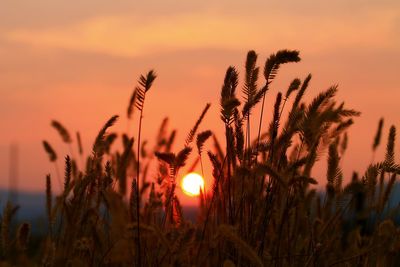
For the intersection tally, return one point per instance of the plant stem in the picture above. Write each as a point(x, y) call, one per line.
point(209, 210)
point(137, 189)
point(261, 117)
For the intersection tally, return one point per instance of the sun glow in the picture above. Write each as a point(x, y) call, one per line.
point(192, 183)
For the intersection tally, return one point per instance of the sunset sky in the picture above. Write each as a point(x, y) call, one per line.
point(79, 63)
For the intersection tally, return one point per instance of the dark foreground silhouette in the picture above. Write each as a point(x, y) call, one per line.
point(262, 209)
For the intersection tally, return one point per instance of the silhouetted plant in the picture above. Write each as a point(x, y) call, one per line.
point(263, 208)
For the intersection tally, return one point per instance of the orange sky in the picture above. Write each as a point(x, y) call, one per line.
point(78, 63)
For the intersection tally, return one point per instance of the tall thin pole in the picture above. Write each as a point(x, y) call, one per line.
point(13, 174)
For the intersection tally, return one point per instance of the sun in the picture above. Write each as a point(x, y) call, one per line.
point(192, 183)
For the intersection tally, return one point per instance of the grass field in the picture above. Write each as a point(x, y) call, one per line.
point(263, 209)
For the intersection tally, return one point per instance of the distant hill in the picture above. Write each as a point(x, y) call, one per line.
point(32, 207)
point(31, 204)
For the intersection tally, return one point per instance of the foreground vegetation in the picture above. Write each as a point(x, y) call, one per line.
point(262, 209)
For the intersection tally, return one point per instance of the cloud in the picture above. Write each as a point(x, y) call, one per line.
point(127, 36)
point(124, 36)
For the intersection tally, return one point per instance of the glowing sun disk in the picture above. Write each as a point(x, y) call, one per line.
point(192, 183)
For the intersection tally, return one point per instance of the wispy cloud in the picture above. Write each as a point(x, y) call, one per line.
point(126, 36)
